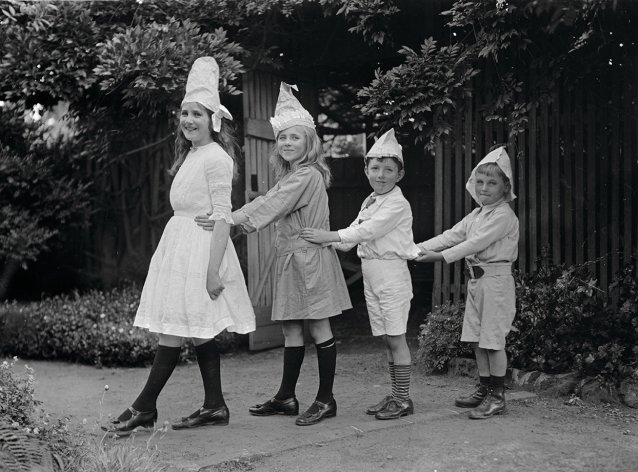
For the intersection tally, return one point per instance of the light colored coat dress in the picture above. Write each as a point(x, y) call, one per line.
point(174, 298)
point(309, 282)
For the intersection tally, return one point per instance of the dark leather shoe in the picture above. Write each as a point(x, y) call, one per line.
point(203, 417)
point(289, 406)
point(317, 412)
point(138, 420)
point(492, 404)
point(474, 399)
point(374, 409)
point(395, 409)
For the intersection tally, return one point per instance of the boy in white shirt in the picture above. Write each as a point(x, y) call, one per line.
point(383, 233)
point(488, 240)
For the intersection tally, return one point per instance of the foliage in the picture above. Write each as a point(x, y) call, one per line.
point(419, 91)
point(47, 437)
point(563, 41)
point(17, 402)
point(36, 438)
point(94, 328)
point(439, 338)
point(41, 196)
point(564, 322)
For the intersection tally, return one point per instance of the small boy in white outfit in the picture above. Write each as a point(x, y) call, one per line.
point(383, 233)
point(488, 240)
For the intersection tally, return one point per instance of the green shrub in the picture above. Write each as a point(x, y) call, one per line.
point(440, 337)
point(564, 322)
point(22, 419)
point(93, 328)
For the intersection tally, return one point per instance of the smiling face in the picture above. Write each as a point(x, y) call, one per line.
point(292, 143)
point(383, 173)
point(194, 120)
point(490, 188)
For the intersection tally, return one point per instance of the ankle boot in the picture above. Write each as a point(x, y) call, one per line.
point(474, 399)
point(493, 404)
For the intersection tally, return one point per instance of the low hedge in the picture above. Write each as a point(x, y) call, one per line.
point(564, 322)
point(91, 328)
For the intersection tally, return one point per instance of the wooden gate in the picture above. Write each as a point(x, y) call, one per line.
point(260, 97)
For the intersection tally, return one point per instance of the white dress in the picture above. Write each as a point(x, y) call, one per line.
point(174, 298)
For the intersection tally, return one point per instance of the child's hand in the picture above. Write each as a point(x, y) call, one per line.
point(214, 285)
point(204, 222)
point(316, 236)
point(429, 256)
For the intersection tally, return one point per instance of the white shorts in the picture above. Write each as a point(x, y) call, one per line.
point(388, 290)
point(489, 310)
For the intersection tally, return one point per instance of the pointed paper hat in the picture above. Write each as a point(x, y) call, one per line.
point(500, 157)
point(202, 87)
point(289, 112)
point(386, 146)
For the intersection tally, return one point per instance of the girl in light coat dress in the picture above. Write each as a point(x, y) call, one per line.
point(309, 282)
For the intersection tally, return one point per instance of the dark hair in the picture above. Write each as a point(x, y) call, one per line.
point(226, 138)
point(381, 158)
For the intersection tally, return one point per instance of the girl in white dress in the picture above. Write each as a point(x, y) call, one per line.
point(194, 287)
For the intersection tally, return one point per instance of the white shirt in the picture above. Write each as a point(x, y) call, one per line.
point(383, 228)
point(488, 234)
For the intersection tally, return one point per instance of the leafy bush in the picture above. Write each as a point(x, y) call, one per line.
point(564, 322)
point(22, 419)
point(31, 439)
point(93, 328)
point(440, 337)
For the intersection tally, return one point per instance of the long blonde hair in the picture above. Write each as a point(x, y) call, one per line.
point(226, 138)
point(313, 156)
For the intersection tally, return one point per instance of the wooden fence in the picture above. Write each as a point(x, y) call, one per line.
point(575, 168)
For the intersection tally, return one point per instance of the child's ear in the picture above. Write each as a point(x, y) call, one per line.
point(401, 174)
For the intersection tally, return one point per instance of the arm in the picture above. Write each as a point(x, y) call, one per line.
point(288, 196)
point(382, 221)
point(449, 238)
point(498, 225)
point(219, 174)
point(430, 256)
point(218, 243)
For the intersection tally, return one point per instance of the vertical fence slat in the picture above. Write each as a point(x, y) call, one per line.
point(438, 218)
point(544, 169)
point(458, 189)
point(533, 185)
point(627, 170)
point(522, 197)
point(579, 176)
point(615, 194)
point(591, 182)
point(555, 176)
point(567, 179)
point(447, 207)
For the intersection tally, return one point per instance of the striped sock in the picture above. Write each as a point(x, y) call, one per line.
point(402, 381)
point(392, 378)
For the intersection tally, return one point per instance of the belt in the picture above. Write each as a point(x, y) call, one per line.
point(478, 271)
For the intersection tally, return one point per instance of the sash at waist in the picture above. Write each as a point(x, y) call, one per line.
point(187, 214)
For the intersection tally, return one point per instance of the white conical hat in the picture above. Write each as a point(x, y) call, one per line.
point(202, 87)
point(386, 146)
point(289, 111)
point(500, 157)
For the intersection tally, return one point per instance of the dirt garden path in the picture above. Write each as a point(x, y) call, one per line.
point(537, 434)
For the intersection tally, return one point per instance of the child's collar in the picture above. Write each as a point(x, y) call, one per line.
point(383, 195)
